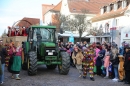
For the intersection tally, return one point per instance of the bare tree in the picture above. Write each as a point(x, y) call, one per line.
point(59, 20)
point(80, 23)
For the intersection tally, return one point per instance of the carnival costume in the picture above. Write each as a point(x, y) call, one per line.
point(88, 62)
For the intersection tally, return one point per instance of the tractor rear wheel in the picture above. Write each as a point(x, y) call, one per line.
point(51, 67)
point(32, 63)
point(65, 64)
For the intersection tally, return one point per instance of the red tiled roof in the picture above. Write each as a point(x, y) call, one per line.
point(111, 14)
point(25, 21)
point(46, 8)
point(57, 7)
point(92, 6)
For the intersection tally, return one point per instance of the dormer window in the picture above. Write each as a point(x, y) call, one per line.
point(111, 7)
point(105, 9)
point(119, 4)
point(127, 3)
point(74, 9)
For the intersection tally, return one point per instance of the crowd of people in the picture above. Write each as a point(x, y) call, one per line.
point(106, 59)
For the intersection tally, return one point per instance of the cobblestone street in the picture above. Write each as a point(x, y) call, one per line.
point(53, 78)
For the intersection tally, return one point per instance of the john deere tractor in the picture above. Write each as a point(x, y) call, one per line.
point(41, 49)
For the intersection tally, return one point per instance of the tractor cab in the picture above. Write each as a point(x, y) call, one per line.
point(42, 37)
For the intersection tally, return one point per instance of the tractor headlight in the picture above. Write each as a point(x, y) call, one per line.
point(47, 50)
point(50, 50)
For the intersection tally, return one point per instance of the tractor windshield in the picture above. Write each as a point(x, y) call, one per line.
point(42, 34)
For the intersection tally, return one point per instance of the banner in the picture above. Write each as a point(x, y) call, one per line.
point(71, 38)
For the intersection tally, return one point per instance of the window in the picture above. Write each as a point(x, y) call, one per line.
point(108, 8)
point(105, 9)
point(43, 34)
point(74, 9)
point(111, 7)
point(117, 22)
point(127, 3)
point(119, 4)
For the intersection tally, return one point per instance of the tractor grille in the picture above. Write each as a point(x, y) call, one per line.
point(51, 51)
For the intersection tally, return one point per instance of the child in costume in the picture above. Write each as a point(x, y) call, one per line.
point(121, 68)
point(106, 63)
point(88, 62)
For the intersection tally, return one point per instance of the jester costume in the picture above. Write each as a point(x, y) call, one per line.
point(88, 62)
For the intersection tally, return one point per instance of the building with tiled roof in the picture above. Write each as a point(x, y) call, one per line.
point(114, 18)
point(27, 22)
point(72, 7)
point(46, 8)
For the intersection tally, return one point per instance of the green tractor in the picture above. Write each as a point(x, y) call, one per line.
point(42, 48)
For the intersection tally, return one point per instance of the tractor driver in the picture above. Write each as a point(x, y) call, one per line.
point(38, 33)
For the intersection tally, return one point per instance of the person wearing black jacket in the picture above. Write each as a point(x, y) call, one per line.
point(115, 63)
point(127, 66)
point(99, 60)
point(3, 55)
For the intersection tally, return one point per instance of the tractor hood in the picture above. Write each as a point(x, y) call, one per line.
point(48, 44)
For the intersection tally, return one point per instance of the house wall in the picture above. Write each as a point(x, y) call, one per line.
point(48, 18)
point(119, 22)
point(65, 8)
point(122, 23)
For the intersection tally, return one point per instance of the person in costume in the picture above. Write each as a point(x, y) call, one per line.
point(106, 60)
point(17, 60)
point(121, 68)
point(88, 62)
point(10, 54)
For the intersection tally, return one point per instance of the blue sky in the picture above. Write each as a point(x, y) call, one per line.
point(14, 10)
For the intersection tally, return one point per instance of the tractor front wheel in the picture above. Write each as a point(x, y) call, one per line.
point(65, 64)
point(32, 63)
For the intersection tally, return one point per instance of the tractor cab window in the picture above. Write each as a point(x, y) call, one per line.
point(42, 34)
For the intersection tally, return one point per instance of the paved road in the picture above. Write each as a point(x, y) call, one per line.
point(53, 78)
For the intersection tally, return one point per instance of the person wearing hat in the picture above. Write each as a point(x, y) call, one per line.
point(127, 65)
point(88, 62)
point(77, 57)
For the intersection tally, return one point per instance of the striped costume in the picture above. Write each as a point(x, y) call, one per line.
point(88, 62)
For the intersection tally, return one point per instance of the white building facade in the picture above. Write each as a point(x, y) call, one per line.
point(115, 21)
